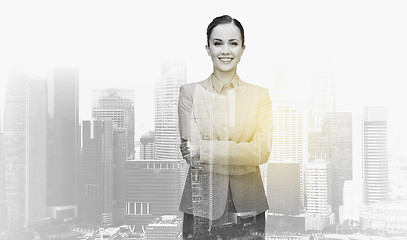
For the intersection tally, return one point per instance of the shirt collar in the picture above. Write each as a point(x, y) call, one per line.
point(218, 85)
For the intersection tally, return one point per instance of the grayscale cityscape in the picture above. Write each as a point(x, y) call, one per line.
point(90, 132)
point(329, 174)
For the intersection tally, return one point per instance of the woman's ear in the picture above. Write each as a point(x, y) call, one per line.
point(207, 50)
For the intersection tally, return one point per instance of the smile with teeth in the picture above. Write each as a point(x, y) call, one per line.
point(226, 59)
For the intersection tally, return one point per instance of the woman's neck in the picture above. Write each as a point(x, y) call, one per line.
point(224, 77)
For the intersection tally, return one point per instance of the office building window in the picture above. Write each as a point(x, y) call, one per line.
point(138, 208)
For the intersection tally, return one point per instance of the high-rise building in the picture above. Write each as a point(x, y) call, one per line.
point(322, 101)
point(167, 227)
point(96, 173)
point(152, 190)
point(319, 195)
point(167, 139)
point(288, 132)
point(374, 155)
point(63, 142)
point(283, 195)
point(25, 149)
point(3, 199)
point(288, 137)
point(166, 130)
point(337, 129)
point(101, 198)
point(116, 105)
point(283, 191)
point(147, 146)
point(278, 85)
point(352, 201)
point(119, 176)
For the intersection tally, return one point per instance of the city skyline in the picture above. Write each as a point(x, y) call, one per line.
point(334, 73)
point(329, 117)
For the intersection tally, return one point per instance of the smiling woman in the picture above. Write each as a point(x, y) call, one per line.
point(225, 47)
point(226, 131)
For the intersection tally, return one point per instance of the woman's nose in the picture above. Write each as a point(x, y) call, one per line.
point(225, 49)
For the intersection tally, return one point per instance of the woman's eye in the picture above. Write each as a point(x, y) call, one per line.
point(217, 43)
point(233, 43)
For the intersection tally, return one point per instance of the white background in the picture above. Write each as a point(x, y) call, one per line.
point(362, 45)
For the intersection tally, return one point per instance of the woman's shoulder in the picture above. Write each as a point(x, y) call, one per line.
point(190, 87)
point(252, 87)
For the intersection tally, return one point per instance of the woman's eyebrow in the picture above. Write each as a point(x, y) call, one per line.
point(217, 39)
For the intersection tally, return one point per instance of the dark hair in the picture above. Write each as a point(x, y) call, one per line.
point(225, 19)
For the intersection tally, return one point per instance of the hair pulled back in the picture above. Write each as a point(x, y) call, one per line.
point(224, 19)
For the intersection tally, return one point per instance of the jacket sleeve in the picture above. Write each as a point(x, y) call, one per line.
point(184, 112)
point(252, 153)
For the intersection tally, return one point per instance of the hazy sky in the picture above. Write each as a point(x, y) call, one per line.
point(121, 44)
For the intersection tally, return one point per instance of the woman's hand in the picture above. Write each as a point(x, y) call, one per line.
point(190, 153)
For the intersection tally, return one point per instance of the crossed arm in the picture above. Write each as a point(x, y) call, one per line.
point(229, 153)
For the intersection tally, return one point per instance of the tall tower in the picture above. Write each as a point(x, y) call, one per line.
point(96, 173)
point(147, 146)
point(283, 191)
point(167, 139)
point(374, 155)
point(63, 142)
point(3, 199)
point(166, 134)
point(116, 105)
point(337, 127)
point(319, 195)
point(25, 149)
point(288, 137)
point(322, 100)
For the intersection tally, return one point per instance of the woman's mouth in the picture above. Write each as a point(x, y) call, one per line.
point(225, 59)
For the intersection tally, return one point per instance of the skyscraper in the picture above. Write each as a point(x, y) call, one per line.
point(3, 199)
point(119, 175)
point(116, 105)
point(167, 139)
point(288, 137)
point(147, 146)
point(337, 129)
point(288, 132)
point(63, 142)
point(166, 132)
point(152, 190)
point(96, 173)
point(322, 101)
point(319, 195)
point(374, 155)
point(283, 191)
point(283, 195)
point(25, 127)
point(352, 201)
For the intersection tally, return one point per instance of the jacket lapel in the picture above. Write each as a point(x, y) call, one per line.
point(242, 109)
point(209, 105)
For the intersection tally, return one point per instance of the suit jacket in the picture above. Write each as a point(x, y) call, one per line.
point(228, 160)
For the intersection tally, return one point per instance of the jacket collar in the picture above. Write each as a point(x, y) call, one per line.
point(213, 84)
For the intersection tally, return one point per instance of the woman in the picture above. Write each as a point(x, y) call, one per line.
point(226, 128)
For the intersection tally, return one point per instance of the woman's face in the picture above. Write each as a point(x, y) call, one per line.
point(225, 47)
